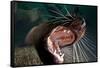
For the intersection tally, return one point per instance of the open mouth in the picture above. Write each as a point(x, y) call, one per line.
point(59, 37)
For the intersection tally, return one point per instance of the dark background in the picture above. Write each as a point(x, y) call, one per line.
point(30, 14)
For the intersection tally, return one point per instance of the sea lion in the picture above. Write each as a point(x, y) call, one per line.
point(49, 39)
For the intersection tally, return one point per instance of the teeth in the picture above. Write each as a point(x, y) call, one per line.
point(61, 54)
point(68, 31)
point(64, 30)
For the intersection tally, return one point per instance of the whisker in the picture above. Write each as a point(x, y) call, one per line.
point(77, 57)
point(88, 33)
point(59, 14)
point(68, 12)
point(83, 52)
point(62, 21)
point(80, 52)
point(53, 20)
point(59, 10)
point(74, 56)
point(88, 49)
point(89, 42)
point(88, 38)
point(52, 16)
point(88, 45)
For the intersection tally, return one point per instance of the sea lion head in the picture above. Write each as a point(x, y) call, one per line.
point(63, 35)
